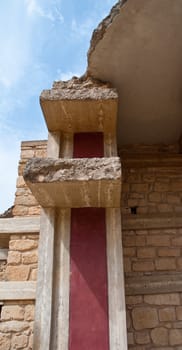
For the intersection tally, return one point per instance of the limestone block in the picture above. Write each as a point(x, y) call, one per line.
point(159, 336)
point(30, 257)
point(12, 312)
point(142, 337)
point(175, 337)
point(144, 317)
point(165, 264)
point(179, 313)
point(29, 312)
point(5, 342)
point(17, 273)
point(14, 258)
point(19, 341)
point(143, 266)
point(23, 244)
point(163, 299)
point(167, 314)
point(72, 183)
point(17, 290)
point(130, 338)
point(13, 326)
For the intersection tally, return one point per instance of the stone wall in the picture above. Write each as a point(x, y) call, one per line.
point(16, 326)
point(22, 258)
point(155, 321)
point(150, 190)
point(152, 251)
point(25, 203)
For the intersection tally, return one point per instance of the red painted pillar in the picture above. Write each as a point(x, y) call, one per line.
point(88, 321)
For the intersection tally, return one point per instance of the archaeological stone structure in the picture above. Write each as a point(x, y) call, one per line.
point(91, 251)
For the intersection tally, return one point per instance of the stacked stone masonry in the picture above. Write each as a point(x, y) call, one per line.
point(154, 320)
point(25, 203)
point(16, 326)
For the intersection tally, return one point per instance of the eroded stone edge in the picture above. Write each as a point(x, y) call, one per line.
point(58, 170)
point(100, 31)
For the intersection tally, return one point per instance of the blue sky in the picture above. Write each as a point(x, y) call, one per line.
point(41, 41)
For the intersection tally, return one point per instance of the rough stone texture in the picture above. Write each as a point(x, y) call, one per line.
point(22, 258)
point(144, 317)
point(84, 88)
point(16, 326)
point(152, 189)
point(143, 248)
point(58, 170)
point(25, 204)
point(75, 183)
point(160, 336)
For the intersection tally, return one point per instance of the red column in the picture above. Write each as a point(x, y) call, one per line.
point(88, 321)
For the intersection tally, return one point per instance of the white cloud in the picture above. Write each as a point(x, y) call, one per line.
point(82, 29)
point(34, 8)
point(64, 76)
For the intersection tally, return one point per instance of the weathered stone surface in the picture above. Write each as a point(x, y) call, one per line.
point(17, 290)
point(5, 342)
point(14, 258)
point(19, 341)
point(19, 225)
point(167, 314)
point(80, 105)
point(163, 299)
point(80, 89)
point(144, 317)
point(17, 273)
point(12, 312)
point(29, 313)
point(30, 258)
point(155, 284)
point(175, 337)
point(86, 182)
point(159, 336)
point(23, 244)
point(13, 326)
point(83, 169)
point(142, 337)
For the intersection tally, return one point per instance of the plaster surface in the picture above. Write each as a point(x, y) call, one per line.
point(138, 49)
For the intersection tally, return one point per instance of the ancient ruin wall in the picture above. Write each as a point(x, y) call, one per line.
point(16, 326)
point(154, 320)
point(152, 191)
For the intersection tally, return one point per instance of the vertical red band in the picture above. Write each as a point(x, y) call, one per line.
point(88, 289)
point(88, 321)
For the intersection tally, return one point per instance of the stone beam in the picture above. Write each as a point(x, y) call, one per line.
point(17, 290)
point(80, 106)
point(153, 284)
point(19, 225)
point(72, 183)
point(147, 222)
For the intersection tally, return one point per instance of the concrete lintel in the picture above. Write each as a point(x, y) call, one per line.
point(72, 183)
point(153, 284)
point(17, 290)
